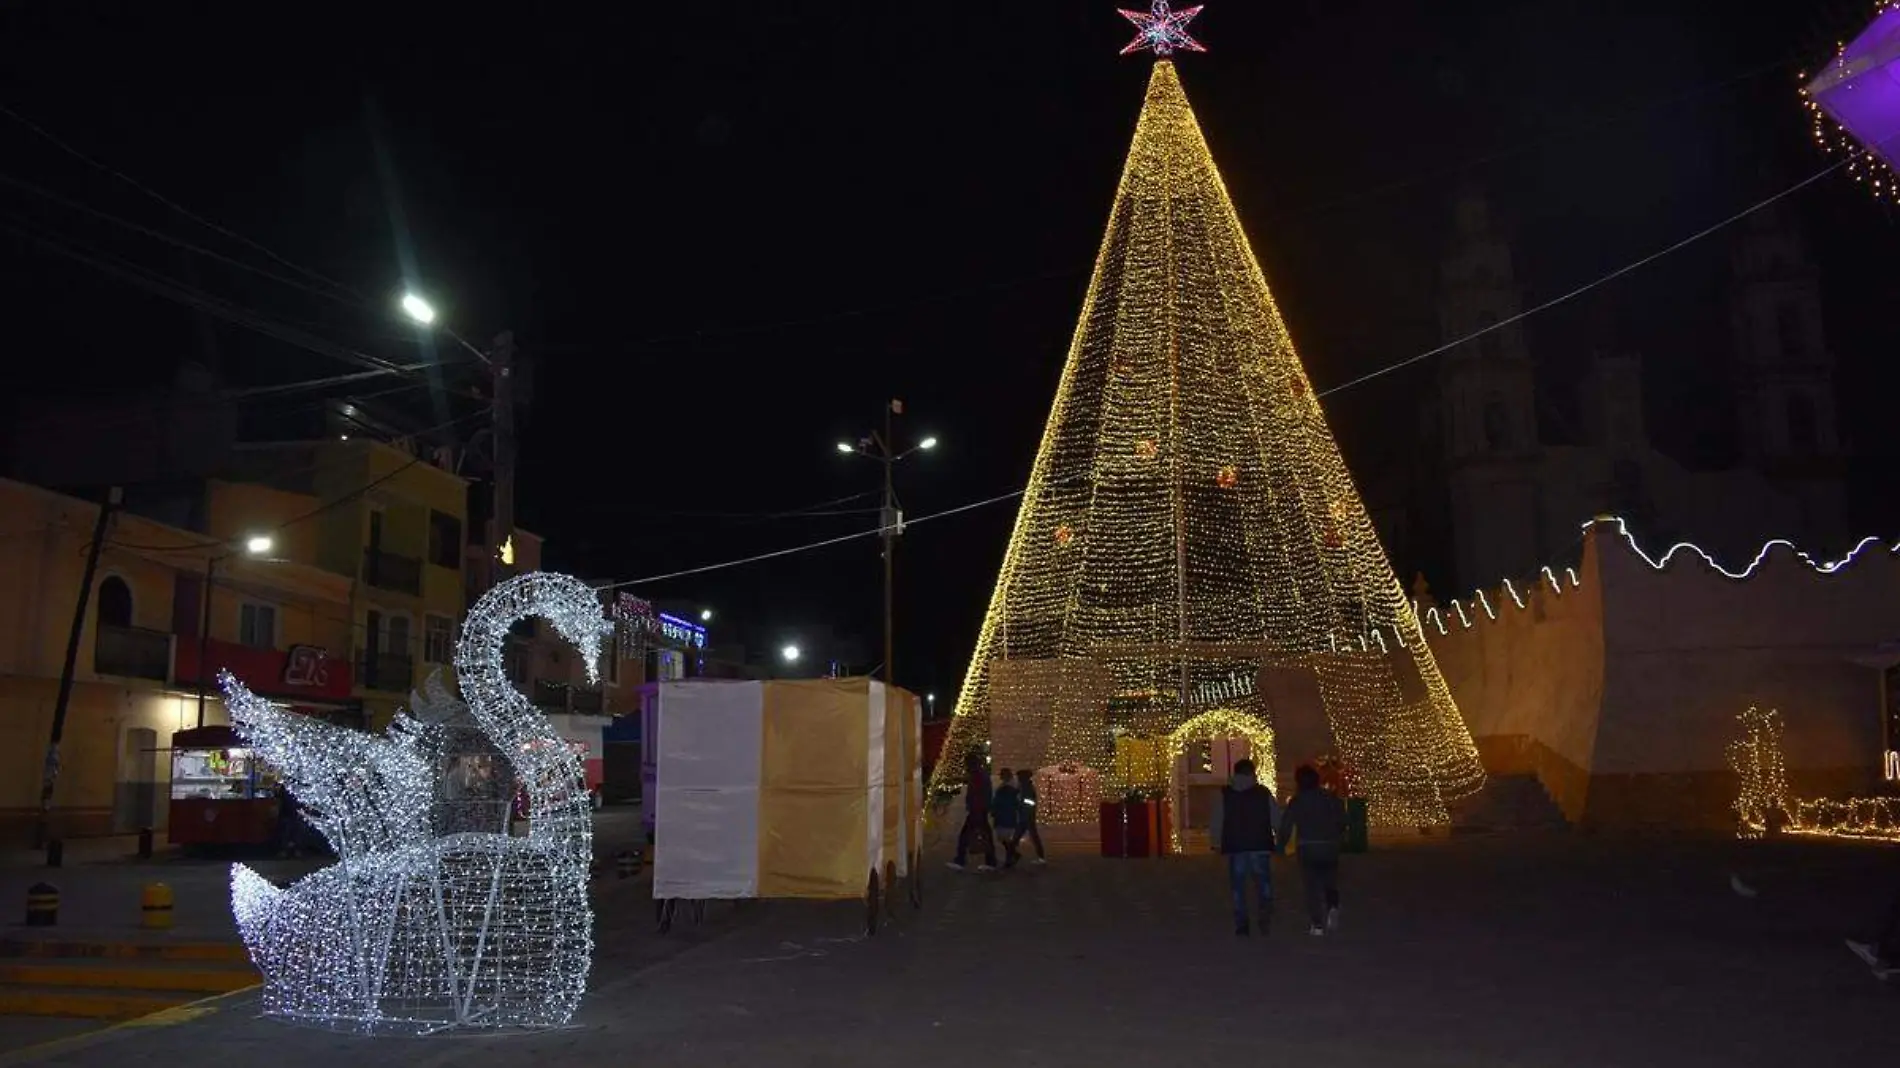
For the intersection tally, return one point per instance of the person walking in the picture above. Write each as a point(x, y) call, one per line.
point(1026, 785)
point(1241, 828)
point(976, 815)
point(1006, 812)
point(1317, 819)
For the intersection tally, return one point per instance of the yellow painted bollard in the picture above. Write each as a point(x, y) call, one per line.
point(42, 905)
point(155, 902)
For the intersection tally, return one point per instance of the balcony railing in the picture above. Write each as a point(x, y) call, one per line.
point(132, 653)
point(387, 571)
point(391, 672)
point(559, 698)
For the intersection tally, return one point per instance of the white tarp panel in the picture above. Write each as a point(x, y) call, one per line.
point(874, 822)
point(706, 827)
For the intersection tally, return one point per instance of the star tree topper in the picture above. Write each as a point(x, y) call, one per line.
point(1162, 29)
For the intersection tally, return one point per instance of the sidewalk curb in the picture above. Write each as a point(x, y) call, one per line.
point(177, 1014)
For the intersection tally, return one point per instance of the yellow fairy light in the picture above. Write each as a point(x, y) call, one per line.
point(1180, 368)
point(1765, 803)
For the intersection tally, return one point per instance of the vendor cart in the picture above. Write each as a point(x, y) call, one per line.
point(808, 789)
point(221, 794)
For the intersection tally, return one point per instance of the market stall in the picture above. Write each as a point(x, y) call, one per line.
point(221, 794)
point(801, 789)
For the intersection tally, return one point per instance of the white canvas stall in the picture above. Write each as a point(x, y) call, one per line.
point(707, 811)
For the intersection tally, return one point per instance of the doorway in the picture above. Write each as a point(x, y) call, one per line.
point(135, 801)
point(1201, 756)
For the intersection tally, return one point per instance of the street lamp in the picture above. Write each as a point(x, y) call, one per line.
point(930, 706)
point(705, 615)
point(418, 309)
point(257, 545)
point(791, 654)
point(883, 447)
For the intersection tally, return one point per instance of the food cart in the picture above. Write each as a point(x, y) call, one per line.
point(222, 794)
point(797, 789)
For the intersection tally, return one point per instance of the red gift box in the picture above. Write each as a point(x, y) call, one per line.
point(1134, 828)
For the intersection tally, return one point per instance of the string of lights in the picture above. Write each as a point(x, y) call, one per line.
point(1189, 517)
point(1765, 805)
point(414, 932)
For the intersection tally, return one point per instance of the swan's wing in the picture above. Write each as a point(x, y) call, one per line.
point(363, 793)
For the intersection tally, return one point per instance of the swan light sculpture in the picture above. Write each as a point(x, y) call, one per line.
point(410, 932)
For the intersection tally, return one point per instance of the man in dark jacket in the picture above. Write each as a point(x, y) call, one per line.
point(1006, 812)
point(1318, 819)
point(1242, 829)
point(976, 815)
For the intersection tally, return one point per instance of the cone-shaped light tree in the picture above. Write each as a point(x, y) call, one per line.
point(1190, 531)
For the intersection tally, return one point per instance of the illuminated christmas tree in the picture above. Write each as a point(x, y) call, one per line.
point(1191, 553)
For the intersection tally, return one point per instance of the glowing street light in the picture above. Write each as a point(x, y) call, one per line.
point(927, 443)
point(258, 544)
point(847, 448)
point(705, 615)
point(418, 309)
point(791, 654)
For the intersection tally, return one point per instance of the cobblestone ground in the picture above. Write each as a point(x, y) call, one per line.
point(1564, 950)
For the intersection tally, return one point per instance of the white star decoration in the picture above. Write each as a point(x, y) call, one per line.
point(1162, 29)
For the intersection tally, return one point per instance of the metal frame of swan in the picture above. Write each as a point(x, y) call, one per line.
point(411, 931)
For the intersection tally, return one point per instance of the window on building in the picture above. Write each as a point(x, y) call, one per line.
point(445, 540)
point(438, 639)
point(1497, 424)
point(396, 636)
point(1804, 424)
point(257, 626)
point(1791, 332)
point(115, 602)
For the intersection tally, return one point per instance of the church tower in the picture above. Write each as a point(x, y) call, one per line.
point(1488, 407)
point(1786, 414)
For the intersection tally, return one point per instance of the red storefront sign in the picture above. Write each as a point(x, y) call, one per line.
point(305, 672)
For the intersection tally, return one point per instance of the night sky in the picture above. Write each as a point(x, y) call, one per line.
point(727, 232)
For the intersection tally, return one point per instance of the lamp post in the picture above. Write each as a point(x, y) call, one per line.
point(256, 545)
point(883, 448)
point(501, 365)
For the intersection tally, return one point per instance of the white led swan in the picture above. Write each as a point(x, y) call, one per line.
point(409, 932)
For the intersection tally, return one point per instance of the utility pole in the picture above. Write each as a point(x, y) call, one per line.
point(502, 365)
point(49, 776)
point(204, 631)
point(892, 523)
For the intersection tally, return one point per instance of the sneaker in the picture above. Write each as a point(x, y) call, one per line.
point(955, 866)
point(1865, 951)
point(985, 867)
point(1332, 918)
point(1315, 930)
point(1040, 862)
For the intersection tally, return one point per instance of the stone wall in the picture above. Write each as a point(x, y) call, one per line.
point(1621, 691)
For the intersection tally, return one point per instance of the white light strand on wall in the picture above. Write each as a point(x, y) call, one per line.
point(1660, 562)
point(409, 933)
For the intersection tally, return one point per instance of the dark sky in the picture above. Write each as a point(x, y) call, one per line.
point(727, 232)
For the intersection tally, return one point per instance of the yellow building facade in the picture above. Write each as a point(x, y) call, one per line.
point(136, 673)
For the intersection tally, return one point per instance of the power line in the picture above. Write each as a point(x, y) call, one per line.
point(174, 205)
point(1588, 286)
point(313, 513)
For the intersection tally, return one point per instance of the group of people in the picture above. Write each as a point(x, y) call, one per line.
point(1248, 827)
point(1005, 812)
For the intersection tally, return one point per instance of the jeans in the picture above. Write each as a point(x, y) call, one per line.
point(1239, 867)
point(1319, 868)
point(976, 827)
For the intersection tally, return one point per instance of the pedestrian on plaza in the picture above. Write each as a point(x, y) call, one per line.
point(1316, 819)
point(1006, 812)
point(1883, 953)
point(976, 815)
point(1241, 828)
point(1026, 786)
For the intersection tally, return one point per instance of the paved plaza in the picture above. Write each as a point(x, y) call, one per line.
point(1507, 950)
